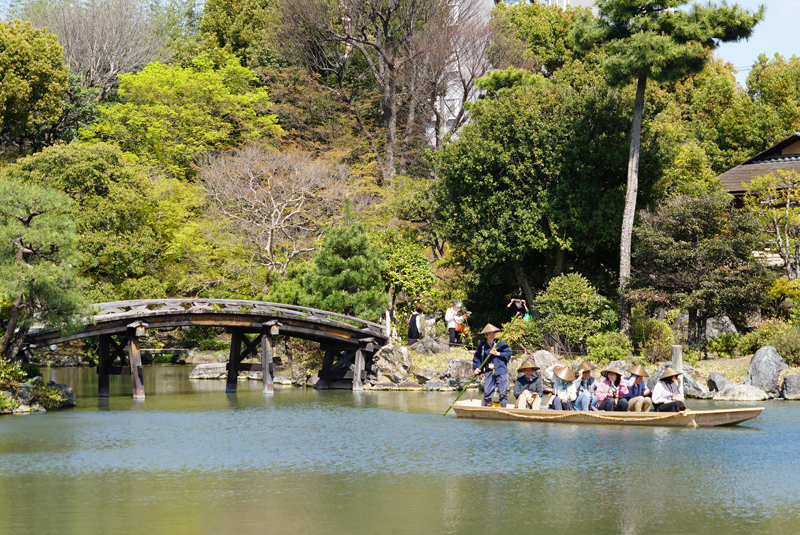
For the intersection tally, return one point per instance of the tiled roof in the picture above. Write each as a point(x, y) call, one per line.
point(736, 179)
point(732, 179)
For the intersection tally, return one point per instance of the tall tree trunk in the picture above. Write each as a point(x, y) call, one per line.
point(691, 333)
point(524, 283)
point(390, 121)
point(17, 312)
point(630, 207)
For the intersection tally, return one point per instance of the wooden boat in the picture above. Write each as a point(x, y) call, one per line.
point(472, 409)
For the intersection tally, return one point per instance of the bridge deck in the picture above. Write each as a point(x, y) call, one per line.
point(248, 316)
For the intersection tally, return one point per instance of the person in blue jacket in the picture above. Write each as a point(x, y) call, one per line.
point(496, 366)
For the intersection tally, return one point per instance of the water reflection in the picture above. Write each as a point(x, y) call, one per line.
point(192, 459)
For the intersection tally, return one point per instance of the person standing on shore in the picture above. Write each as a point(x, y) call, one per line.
point(454, 319)
point(495, 368)
point(415, 325)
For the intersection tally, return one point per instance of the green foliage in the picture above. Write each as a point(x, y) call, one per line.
point(572, 310)
point(168, 358)
point(787, 344)
point(31, 370)
point(37, 257)
point(695, 253)
point(496, 81)
point(764, 334)
point(607, 346)
point(245, 27)
point(651, 337)
point(171, 115)
point(203, 338)
point(523, 334)
point(660, 41)
point(7, 403)
point(48, 397)
point(345, 276)
point(724, 346)
point(34, 80)
point(125, 220)
point(535, 177)
point(542, 32)
point(407, 271)
point(771, 83)
point(11, 373)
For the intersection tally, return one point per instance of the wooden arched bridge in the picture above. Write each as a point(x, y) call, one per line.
point(337, 334)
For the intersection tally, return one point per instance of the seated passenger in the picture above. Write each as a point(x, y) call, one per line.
point(528, 387)
point(584, 386)
point(638, 393)
point(563, 392)
point(668, 393)
point(611, 392)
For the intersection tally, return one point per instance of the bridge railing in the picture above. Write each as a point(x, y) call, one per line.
point(232, 305)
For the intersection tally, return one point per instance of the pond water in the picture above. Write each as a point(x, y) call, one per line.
point(192, 459)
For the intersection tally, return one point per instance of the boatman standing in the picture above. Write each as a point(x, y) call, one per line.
point(496, 366)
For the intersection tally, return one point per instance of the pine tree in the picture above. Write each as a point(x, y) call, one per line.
point(346, 275)
point(654, 39)
point(37, 261)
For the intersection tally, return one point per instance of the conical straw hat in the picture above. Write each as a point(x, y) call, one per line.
point(527, 364)
point(490, 329)
point(564, 373)
point(638, 370)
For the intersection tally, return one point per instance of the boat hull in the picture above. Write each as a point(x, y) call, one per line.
point(688, 418)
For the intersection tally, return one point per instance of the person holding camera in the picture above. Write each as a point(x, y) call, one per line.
point(518, 308)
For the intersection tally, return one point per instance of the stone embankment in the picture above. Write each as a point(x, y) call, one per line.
point(32, 397)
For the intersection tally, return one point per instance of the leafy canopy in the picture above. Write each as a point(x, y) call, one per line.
point(34, 79)
point(170, 115)
point(658, 39)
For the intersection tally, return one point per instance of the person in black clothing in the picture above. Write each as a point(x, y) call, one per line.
point(415, 325)
point(517, 307)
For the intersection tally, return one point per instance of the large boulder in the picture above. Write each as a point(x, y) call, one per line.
point(791, 387)
point(430, 346)
point(691, 387)
point(217, 370)
point(717, 381)
point(423, 375)
point(69, 394)
point(765, 370)
point(24, 394)
point(732, 392)
point(197, 357)
point(458, 373)
point(719, 325)
point(391, 364)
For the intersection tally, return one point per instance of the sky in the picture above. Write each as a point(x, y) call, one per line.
point(779, 32)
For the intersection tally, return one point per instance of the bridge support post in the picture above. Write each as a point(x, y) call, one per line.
point(357, 370)
point(233, 362)
point(324, 373)
point(267, 367)
point(103, 362)
point(135, 360)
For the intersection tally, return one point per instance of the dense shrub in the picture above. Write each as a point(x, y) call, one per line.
point(572, 311)
point(31, 370)
point(605, 347)
point(523, 334)
point(787, 344)
point(10, 374)
point(765, 332)
point(48, 397)
point(651, 337)
point(203, 338)
point(8, 403)
point(724, 346)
